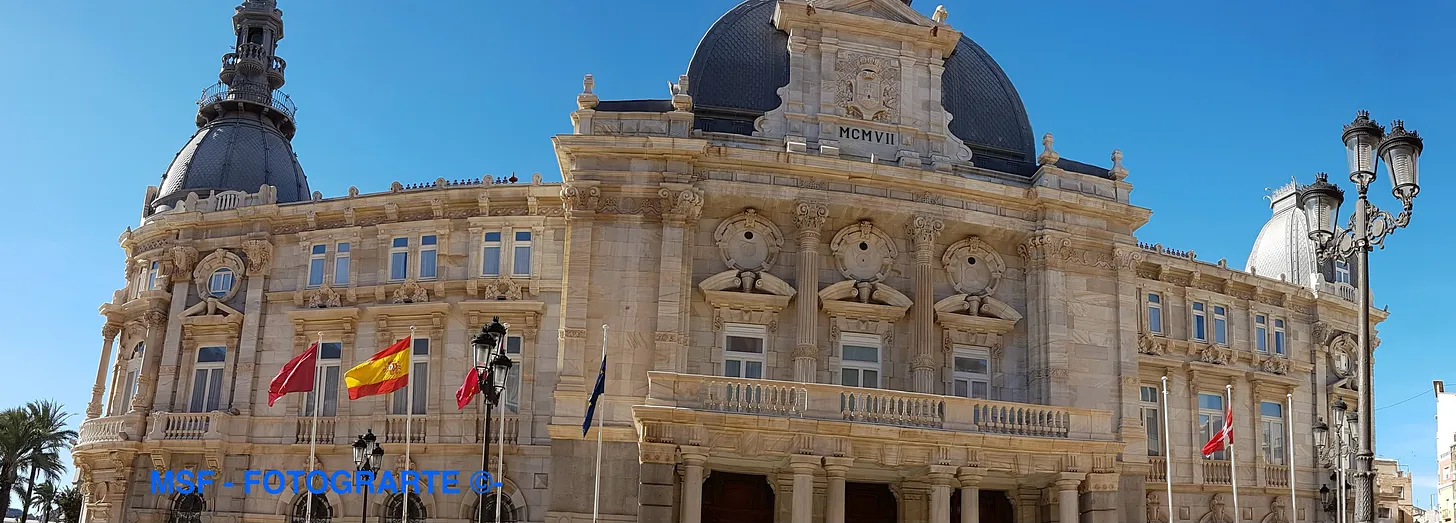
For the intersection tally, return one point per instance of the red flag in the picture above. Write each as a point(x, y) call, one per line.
point(297, 375)
point(1224, 436)
point(469, 389)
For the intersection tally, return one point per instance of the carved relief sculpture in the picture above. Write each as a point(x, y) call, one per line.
point(410, 292)
point(863, 252)
point(323, 297)
point(1157, 513)
point(748, 241)
point(1218, 510)
point(869, 86)
point(974, 267)
point(1152, 345)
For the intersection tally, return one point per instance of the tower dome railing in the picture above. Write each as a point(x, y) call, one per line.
point(221, 92)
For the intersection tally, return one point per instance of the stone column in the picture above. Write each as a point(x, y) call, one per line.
point(108, 334)
point(835, 468)
point(178, 278)
point(1027, 501)
point(153, 320)
point(809, 217)
point(970, 478)
point(580, 198)
point(1100, 498)
point(803, 490)
point(1067, 486)
point(682, 205)
point(924, 230)
point(656, 479)
point(692, 488)
point(941, 478)
point(260, 259)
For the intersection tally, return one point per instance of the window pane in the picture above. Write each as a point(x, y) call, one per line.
point(331, 350)
point(513, 345)
point(211, 354)
point(978, 389)
point(971, 365)
point(126, 394)
point(748, 345)
point(1220, 331)
point(427, 240)
point(1155, 319)
point(420, 381)
point(513, 389)
point(490, 261)
point(521, 261)
point(1154, 434)
point(1211, 402)
point(1154, 298)
point(753, 369)
point(1259, 319)
point(199, 390)
point(733, 368)
point(341, 270)
point(343, 247)
point(1272, 409)
point(857, 353)
point(331, 391)
point(1198, 328)
point(400, 242)
point(398, 265)
point(849, 377)
point(1149, 394)
point(1261, 336)
point(1197, 306)
point(315, 272)
point(214, 390)
point(962, 388)
point(422, 347)
point(870, 378)
point(493, 236)
point(1218, 310)
point(398, 402)
point(1279, 342)
point(427, 263)
point(523, 236)
point(320, 249)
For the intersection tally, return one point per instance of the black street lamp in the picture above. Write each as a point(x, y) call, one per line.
point(368, 454)
point(492, 366)
point(1366, 145)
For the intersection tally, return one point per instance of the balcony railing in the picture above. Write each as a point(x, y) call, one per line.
point(1159, 470)
point(325, 430)
point(396, 426)
point(512, 430)
point(100, 430)
point(877, 406)
point(1216, 472)
point(1276, 475)
point(1344, 291)
point(221, 92)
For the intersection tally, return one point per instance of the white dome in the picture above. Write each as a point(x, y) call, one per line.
point(1283, 249)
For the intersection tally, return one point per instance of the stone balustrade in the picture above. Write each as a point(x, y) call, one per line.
point(133, 428)
point(878, 406)
point(100, 430)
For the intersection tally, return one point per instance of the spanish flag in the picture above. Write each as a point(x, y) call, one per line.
point(386, 372)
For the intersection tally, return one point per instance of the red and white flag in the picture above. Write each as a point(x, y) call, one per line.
point(1224, 437)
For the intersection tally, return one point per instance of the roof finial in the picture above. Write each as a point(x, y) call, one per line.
point(1118, 171)
point(1048, 155)
point(940, 14)
point(587, 99)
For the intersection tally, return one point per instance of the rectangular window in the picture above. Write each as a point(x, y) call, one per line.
point(1279, 336)
point(1220, 325)
point(1261, 333)
point(1155, 313)
point(972, 373)
point(859, 360)
point(743, 351)
point(490, 254)
point(418, 382)
point(207, 379)
point(1342, 272)
point(341, 264)
point(1152, 424)
point(428, 256)
point(1271, 424)
point(152, 275)
point(513, 379)
point(521, 254)
point(316, 265)
point(126, 394)
point(1200, 324)
point(328, 375)
point(399, 259)
point(1210, 420)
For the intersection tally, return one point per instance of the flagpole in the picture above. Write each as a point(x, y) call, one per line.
point(1233, 467)
point(501, 439)
point(597, 482)
point(313, 432)
point(409, 409)
point(1167, 444)
point(1293, 507)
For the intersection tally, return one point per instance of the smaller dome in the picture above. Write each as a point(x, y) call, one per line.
point(234, 153)
point(1283, 249)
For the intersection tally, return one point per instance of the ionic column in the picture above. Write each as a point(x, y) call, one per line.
point(809, 217)
point(692, 488)
point(108, 334)
point(835, 468)
point(154, 320)
point(924, 230)
point(803, 467)
point(1067, 497)
point(970, 478)
point(941, 477)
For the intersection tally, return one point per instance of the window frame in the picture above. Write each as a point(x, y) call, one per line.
point(1198, 328)
point(318, 253)
point(514, 379)
point(132, 378)
point(394, 249)
point(1342, 272)
point(420, 387)
point(971, 378)
point(1153, 407)
point(1155, 312)
point(1220, 325)
point(154, 271)
point(321, 370)
point(343, 253)
point(498, 244)
point(212, 368)
point(747, 331)
point(434, 265)
point(221, 291)
point(1261, 333)
point(858, 339)
point(1206, 417)
point(516, 246)
point(1281, 338)
point(1267, 437)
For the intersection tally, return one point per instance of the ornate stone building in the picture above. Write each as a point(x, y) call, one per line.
point(842, 285)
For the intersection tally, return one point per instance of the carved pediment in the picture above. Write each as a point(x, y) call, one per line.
point(213, 307)
point(892, 10)
point(858, 299)
point(976, 314)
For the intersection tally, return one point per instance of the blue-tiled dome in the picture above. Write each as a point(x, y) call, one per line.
point(743, 60)
point(236, 153)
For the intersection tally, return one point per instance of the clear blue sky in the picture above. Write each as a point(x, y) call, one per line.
point(1211, 102)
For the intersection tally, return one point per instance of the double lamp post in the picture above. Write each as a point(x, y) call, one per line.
point(492, 366)
point(1366, 144)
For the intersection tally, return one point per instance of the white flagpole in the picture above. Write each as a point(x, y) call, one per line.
point(1168, 458)
point(409, 434)
point(501, 438)
point(1233, 462)
point(313, 432)
point(1293, 506)
point(597, 482)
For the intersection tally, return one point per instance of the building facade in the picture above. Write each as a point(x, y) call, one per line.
point(1393, 496)
point(841, 283)
point(1445, 508)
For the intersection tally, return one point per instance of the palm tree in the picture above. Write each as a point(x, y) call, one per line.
point(26, 434)
point(45, 464)
point(68, 503)
point(44, 497)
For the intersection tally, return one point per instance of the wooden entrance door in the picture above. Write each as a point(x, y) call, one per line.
point(869, 503)
point(737, 498)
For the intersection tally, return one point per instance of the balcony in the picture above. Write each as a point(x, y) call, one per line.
point(396, 426)
point(101, 430)
point(221, 92)
point(325, 435)
point(188, 426)
point(1158, 469)
point(819, 401)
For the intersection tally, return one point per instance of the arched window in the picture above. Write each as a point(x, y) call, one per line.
point(187, 508)
point(508, 511)
point(221, 282)
point(396, 502)
point(322, 512)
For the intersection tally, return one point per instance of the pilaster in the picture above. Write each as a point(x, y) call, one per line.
point(168, 381)
point(153, 320)
point(924, 230)
point(580, 199)
point(809, 217)
point(260, 258)
point(682, 205)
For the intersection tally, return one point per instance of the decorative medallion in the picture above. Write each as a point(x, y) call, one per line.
point(869, 86)
point(863, 252)
point(975, 268)
point(221, 269)
point(748, 241)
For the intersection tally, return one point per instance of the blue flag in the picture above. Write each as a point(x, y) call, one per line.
point(597, 391)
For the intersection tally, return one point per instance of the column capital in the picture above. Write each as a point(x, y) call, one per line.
point(837, 466)
point(809, 216)
point(692, 455)
point(804, 463)
point(1070, 480)
point(1101, 483)
point(109, 330)
point(942, 474)
point(971, 476)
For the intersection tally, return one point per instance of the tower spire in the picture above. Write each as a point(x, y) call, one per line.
point(253, 71)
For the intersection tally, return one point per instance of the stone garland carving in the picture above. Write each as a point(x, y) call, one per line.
point(810, 216)
point(260, 256)
point(748, 242)
point(410, 292)
point(219, 259)
point(323, 297)
point(1216, 355)
point(1275, 365)
point(183, 259)
point(1045, 248)
point(153, 319)
point(1152, 345)
point(868, 86)
point(573, 334)
point(863, 252)
point(974, 267)
point(503, 287)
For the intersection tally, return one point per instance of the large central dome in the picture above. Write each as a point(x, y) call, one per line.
point(743, 60)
